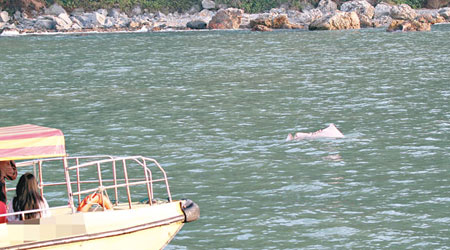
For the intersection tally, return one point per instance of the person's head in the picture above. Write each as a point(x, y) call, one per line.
point(10, 170)
point(10, 163)
point(27, 195)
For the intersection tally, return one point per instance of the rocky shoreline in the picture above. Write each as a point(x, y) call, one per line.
point(326, 16)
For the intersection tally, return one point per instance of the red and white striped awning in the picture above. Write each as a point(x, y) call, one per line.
point(30, 142)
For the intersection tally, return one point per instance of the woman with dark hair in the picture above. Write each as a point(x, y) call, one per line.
point(28, 198)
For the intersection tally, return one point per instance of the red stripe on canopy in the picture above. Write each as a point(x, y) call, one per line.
point(29, 135)
point(31, 152)
point(30, 142)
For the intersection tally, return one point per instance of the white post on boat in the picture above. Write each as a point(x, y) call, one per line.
point(147, 179)
point(41, 181)
point(125, 171)
point(78, 180)
point(68, 183)
point(116, 195)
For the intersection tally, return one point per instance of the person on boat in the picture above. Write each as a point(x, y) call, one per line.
point(8, 171)
point(3, 209)
point(28, 198)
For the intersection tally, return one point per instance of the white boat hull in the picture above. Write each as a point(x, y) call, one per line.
point(145, 226)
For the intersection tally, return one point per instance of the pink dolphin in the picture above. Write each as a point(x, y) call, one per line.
point(329, 132)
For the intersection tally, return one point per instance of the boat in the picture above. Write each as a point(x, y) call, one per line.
point(141, 213)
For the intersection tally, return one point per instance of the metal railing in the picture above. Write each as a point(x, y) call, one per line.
point(103, 165)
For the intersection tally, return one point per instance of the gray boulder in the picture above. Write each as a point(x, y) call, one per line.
point(307, 17)
point(18, 15)
point(76, 21)
point(82, 20)
point(97, 20)
point(102, 12)
point(208, 4)
point(77, 12)
point(445, 13)
point(136, 11)
point(45, 24)
point(114, 13)
point(402, 12)
point(337, 21)
point(4, 17)
point(381, 10)
point(54, 10)
point(63, 22)
point(363, 9)
point(327, 6)
point(383, 21)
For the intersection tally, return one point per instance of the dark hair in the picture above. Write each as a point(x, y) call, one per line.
point(2, 195)
point(27, 196)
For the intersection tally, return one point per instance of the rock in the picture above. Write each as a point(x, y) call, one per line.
point(4, 17)
point(197, 24)
point(308, 17)
point(408, 25)
point(281, 22)
point(77, 12)
point(402, 12)
point(260, 27)
point(134, 25)
point(159, 15)
point(45, 24)
point(337, 21)
point(17, 15)
point(277, 11)
point(262, 20)
point(114, 13)
point(381, 10)
point(194, 9)
point(274, 22)
point(208, 4)
point(109, 22)
point(431, 16)
point(445, 13)
point(63, 22)
point(327, 6)
point(54, 10)
point(75, 26)
point(363, 9)
point(102, 12)
point(76, 21)
point(383, 21)
point(96, 20)
point(226, 19)
point(136, 11)
point(65, 18)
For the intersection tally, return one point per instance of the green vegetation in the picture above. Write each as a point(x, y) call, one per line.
point(249, 6)
point(413, 3)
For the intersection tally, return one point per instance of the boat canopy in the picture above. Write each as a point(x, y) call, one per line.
point(30, 142)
